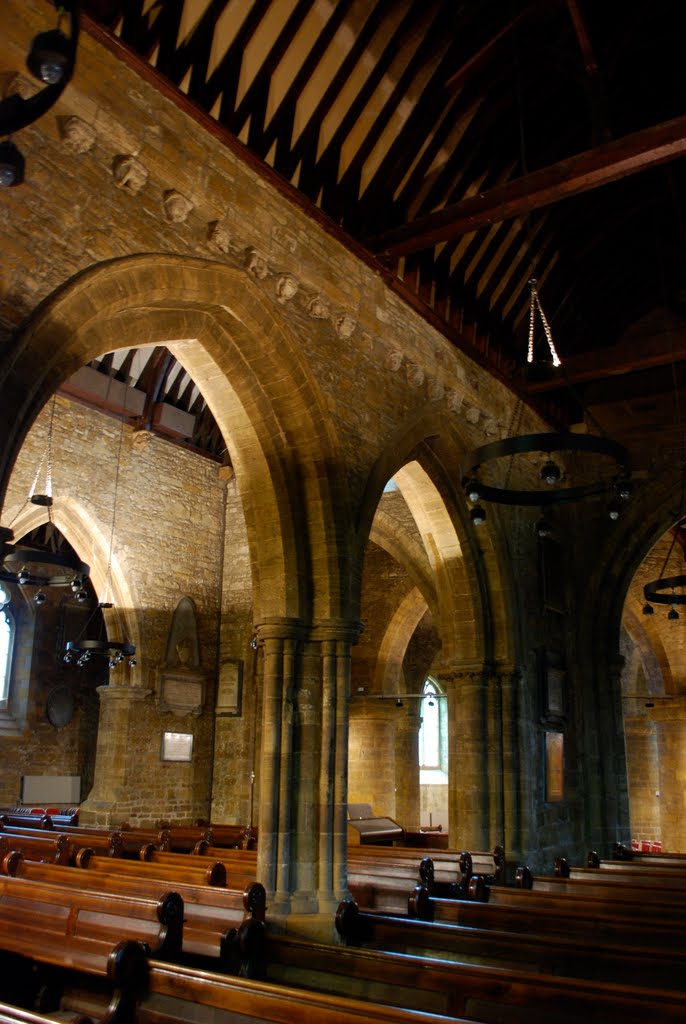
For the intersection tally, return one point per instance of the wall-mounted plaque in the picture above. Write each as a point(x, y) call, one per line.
point(230, 688)
point(177, 746)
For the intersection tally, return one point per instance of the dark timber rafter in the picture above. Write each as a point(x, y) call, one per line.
point(588, 170)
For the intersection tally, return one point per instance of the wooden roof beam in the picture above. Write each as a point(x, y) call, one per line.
point(581, 173)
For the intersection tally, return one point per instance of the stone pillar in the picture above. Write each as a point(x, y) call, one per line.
point(407, 794)
point(279, 639)
point(302, 850)
point(468, 769)
point(335, 639)
point(640, 735)
point(670, 719)
point(506, 820)
point(110, 801)
point(372, 774)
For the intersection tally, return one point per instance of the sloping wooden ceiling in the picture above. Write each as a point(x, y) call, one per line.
point(470, 146)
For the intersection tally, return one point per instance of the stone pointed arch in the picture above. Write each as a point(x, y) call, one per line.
point(91, 541)
point(395, 642)
point(475, 621)
point(256, 382)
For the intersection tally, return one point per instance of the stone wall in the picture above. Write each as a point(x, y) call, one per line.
point(167, 545)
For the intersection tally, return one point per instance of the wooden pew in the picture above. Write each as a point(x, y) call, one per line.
point(239, 870)
point(451, 867)
point(583, 919)
point(262, 1002)
point(668, 869)
point(633, 907)
point(78, 913)
point(20, 816)
point(237, 837)
point(209, 873)
point(647, 879)
point(222, 927)
point(622, 852)
point(107, 843)
point(560, 954)
point(38, 961)
point(15, 1015)
point(53, 848)
point(494, 995)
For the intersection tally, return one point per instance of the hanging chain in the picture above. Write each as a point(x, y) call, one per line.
point(534, 304)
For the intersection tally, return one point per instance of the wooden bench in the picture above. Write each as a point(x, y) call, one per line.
point(490, 994)
point(37, 960)
point(82, 913)
point(451, 867)
point(634, 908)
point(108, 843)
point(223, 928)
point(53, 848)
point(15, 1015)
point(622, 852)
point(243, 837)
point(238, 871)
point(560, 954)
point(583, 919)
point(246, 1000)
point(661, 869)
point(42, 819)
point(667, 879)
point(209, 873)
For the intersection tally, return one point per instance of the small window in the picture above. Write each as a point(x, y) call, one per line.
point(430, 731)
point(6, 645)
point(433, 735)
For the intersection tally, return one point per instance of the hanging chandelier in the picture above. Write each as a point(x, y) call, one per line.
point(50, 59)
point(667, 590)
point(34, 568)
point(539, 459)
point(84, 649)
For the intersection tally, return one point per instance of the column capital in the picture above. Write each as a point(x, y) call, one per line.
point(280, 628)
point(347, 630)
point(476, 670)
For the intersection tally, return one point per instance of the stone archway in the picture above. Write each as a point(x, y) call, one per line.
point(254, 379)
point(266, 401)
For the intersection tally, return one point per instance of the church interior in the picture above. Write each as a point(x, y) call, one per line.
point(343, 488)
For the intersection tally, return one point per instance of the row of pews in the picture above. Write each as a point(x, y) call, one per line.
point(142, 932)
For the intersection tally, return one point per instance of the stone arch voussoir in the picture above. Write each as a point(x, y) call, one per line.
point(255, 379)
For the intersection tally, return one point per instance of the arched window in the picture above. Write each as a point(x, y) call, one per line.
point(433, 734)
point(6, 644)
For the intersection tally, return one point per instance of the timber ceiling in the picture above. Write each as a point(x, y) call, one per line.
point(471, 146)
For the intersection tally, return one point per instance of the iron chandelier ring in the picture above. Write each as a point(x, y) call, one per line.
point(32, 560)
point(547, 444)
point(651, 591)
point(106, 647)
point(17, 112)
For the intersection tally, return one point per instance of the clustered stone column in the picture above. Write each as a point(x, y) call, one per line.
point(279, 639)
point(303, 779)
point(335, 639)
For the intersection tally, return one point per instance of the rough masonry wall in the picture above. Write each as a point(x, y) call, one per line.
point(167, 545)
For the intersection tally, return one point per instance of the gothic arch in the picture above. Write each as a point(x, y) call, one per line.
point(259, 388)
point(91, 540)
point(473, 619)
